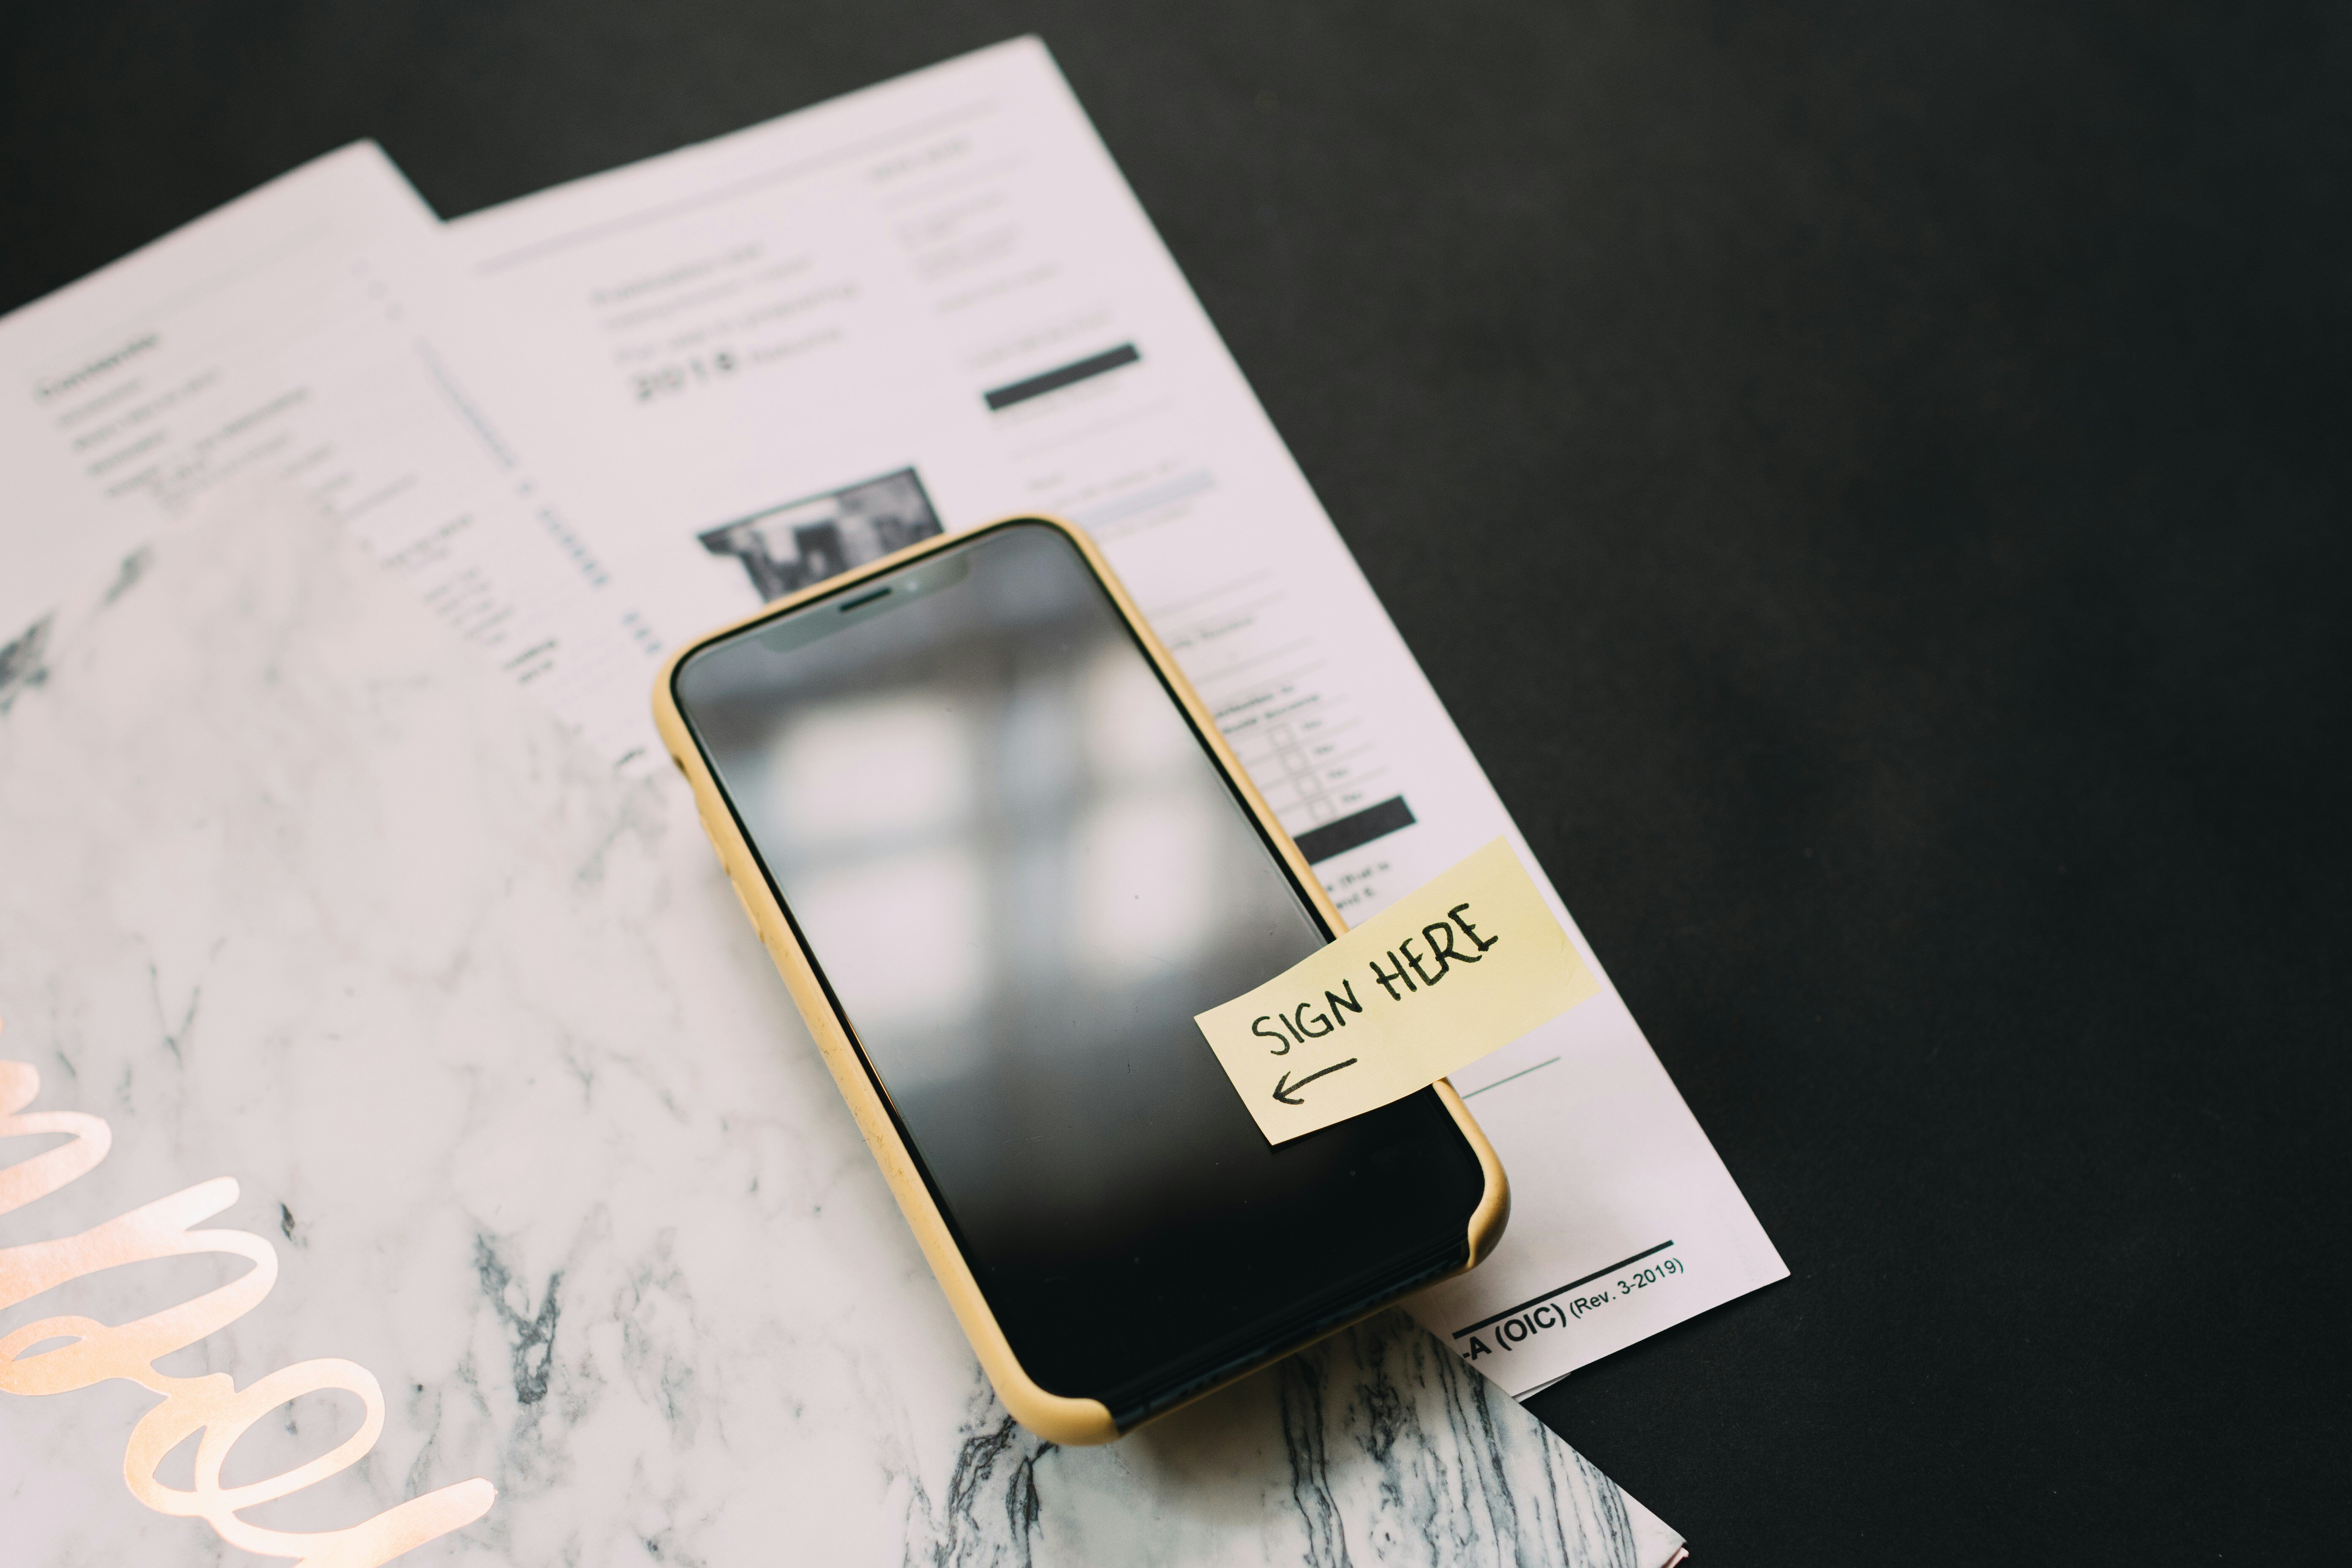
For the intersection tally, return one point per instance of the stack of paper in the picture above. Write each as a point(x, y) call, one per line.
point(584, 426)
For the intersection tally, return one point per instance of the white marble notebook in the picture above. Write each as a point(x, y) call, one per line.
point(291, 894)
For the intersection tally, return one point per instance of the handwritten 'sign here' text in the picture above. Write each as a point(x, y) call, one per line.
point(1461, 967)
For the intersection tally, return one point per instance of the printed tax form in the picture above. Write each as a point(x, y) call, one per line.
point(757, 362)
point(297, 334)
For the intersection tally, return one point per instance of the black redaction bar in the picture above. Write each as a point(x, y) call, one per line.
point(1356, 828)
point(1055, 379)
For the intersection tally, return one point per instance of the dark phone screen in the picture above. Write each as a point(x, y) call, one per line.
point(1021, 874)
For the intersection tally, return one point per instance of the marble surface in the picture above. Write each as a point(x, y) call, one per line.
point(290, 893)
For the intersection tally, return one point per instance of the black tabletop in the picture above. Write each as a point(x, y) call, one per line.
point(1870, 481)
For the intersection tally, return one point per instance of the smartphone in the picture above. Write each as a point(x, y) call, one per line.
point(1001, 855)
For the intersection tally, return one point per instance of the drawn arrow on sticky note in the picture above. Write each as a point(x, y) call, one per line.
point(1465, 964)
point(1283, 1082)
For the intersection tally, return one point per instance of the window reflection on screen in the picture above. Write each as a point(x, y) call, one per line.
point(1022, 876)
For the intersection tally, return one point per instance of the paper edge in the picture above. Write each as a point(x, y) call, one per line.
point(1657, 1544)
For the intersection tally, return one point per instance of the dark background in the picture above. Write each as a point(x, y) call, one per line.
point(1869, 482)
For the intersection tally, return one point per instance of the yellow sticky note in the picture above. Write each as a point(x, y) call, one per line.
point(1445, 975)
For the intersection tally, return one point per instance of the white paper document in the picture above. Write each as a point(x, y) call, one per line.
point(298, 332)
point(760, 361)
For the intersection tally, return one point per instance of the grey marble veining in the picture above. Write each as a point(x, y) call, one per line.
point(290, 893)
point(1374, 1447)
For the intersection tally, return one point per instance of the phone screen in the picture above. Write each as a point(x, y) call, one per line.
point(1020, 874)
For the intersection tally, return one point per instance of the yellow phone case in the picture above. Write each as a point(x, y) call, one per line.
point(1056, 1417)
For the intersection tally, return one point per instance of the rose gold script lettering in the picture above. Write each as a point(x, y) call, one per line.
point(212, 1405)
